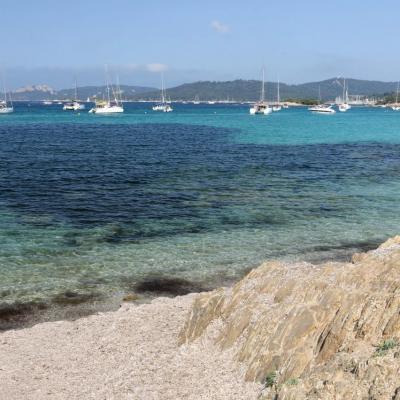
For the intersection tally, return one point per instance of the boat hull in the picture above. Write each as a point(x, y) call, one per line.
point(260, 110)
point(6, 110)
point(344, 107)
point(322, 110)
point(107, 110)
point(163, 108)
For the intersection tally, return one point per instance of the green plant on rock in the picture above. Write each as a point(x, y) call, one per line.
point(385, 346)
point(270, 379)
point(292, 381)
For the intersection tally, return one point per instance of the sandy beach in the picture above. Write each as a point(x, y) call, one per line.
point(128, 354)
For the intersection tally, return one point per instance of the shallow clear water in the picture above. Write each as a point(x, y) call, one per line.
point(94, 204)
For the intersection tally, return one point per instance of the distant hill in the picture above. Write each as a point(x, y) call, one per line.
point(44, 92)
point(242, 90)
point(239, 90)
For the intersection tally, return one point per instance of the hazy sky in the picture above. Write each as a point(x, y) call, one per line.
point(49, 41)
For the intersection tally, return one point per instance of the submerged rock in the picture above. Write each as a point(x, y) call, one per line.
point(130, 297)
point(330, 331)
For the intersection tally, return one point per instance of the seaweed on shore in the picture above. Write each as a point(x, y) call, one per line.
point(168, 286)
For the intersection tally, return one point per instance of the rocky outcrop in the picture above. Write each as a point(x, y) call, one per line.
point(308, 331)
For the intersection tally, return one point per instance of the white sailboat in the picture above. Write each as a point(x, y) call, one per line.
point(261, 107)
point(196, 99)
point(108, 106)
point(6, 107)
point(277, 106)
point(344, 105)
point(396, 106)
point(74, 105)
point(163, 105)
point(321, 108)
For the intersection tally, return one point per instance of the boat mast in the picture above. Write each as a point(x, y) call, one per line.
point(107, 84)
point(76, 90)
point(397, 92)
point(319, 94)
point(118, 98)
point(262, 86)
point(279, 96)
point(4, 87)
point(344, 91)
point(162, 88)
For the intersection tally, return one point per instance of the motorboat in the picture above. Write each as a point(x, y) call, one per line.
point(322, 109)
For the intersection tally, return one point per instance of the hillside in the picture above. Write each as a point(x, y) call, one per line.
point(239, 90)
point(242, 90)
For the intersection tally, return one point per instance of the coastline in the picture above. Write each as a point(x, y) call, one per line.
point(306, 323)
point(70, 306)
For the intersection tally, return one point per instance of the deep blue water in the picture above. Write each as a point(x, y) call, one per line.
point(94, 205)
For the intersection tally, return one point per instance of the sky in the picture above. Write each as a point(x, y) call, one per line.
point(51, 42)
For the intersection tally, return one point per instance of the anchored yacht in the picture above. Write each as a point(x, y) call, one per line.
point(344, 106)
point(74, 105)
point(277, 106)
point(396, 106)
point(108, 106)
point(196, 100)
point(261, 107)
point(163, 105)
point(6, 107)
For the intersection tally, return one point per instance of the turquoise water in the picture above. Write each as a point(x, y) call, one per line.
point(95, 205)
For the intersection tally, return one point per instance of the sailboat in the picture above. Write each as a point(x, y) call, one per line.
point(163, 105)
point(277, 106)
point(261, 107)
point(108, 106)
point(74, 105)
point(6, 107)
point(321, 108)
point(396, 107)
point(344, 106)
point(196, 99)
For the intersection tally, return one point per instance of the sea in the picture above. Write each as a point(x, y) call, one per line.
point(95, 207)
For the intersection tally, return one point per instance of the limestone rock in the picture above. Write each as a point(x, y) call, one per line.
point(316, 327)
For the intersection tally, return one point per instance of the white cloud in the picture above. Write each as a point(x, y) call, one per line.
point(219, 27)
point(155, 67)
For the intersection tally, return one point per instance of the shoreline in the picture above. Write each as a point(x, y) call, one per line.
point(296, 324)
point(22, 315)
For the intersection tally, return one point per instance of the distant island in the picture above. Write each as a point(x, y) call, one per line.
point(238, 90)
